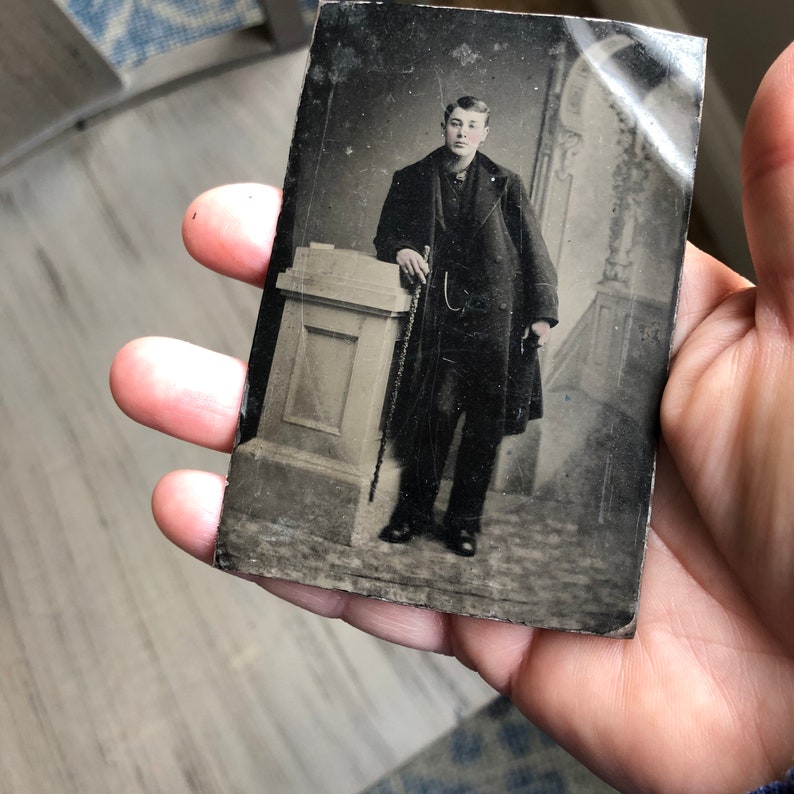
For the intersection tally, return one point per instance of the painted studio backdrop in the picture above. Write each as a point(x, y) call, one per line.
point(600, 120)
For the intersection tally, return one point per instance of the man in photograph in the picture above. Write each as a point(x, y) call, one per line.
point(462, 231)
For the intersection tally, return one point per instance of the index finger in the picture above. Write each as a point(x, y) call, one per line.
point(230, 230)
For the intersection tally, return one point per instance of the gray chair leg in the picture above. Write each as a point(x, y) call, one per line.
point(285, 22)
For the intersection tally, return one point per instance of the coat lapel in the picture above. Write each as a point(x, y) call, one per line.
point(435, 189)
point(490, 184)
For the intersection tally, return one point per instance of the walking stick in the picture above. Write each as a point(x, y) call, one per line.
point(417, 291)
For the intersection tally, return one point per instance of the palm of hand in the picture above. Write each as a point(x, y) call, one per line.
point(703, 698)
point(711, 668)
point(726, 418)
point(709, 680)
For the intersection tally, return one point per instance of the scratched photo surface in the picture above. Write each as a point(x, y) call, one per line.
point(455, 376)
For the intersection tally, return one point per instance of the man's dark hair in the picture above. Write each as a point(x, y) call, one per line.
point(468, 103)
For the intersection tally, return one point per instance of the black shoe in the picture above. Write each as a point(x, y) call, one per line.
point(401, 529)
point(397, 532)
point(462, 542)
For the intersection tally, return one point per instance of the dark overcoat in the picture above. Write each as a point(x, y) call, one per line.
point(505, 274)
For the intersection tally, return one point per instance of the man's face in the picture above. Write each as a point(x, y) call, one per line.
point(464, 131)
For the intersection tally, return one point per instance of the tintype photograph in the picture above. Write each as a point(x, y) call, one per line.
point(456, 373)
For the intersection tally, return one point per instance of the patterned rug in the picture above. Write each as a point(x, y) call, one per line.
point(128, 32)
point(496, 751)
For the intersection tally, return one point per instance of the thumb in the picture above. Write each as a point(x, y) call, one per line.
point(768, 179)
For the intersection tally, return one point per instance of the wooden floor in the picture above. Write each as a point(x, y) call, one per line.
point(124, 665)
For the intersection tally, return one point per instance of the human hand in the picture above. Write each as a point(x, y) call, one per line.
point(413, 264)
point(702, 700)
point(541, 330)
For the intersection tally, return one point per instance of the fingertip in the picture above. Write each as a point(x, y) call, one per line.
point(230, 229)
point(126, 371)
point(495, 649)
point(705, 284)
point(186, 506)
point(180, 389)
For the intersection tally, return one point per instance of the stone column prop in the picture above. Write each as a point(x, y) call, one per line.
point(310, 467)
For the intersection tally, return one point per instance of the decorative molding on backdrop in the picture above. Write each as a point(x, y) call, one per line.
point(718, 188)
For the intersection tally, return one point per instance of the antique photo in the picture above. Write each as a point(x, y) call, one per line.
point(455, 377)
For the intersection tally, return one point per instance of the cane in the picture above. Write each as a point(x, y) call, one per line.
point(417, 292)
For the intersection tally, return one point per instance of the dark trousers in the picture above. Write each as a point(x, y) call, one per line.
point(462, 383)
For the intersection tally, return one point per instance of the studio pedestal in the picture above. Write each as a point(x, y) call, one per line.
point(313, 459)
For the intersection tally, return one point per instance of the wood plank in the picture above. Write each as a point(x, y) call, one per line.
point(125, 665)
point(50, 74)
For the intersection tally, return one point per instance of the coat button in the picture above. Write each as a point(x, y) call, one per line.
point(502, 306)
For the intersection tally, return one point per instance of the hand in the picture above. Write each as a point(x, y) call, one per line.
point(541, 330)
point(413, 264)
point(702, 700)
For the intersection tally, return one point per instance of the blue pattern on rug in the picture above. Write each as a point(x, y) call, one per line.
point(495, 751)
point(128, 32)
